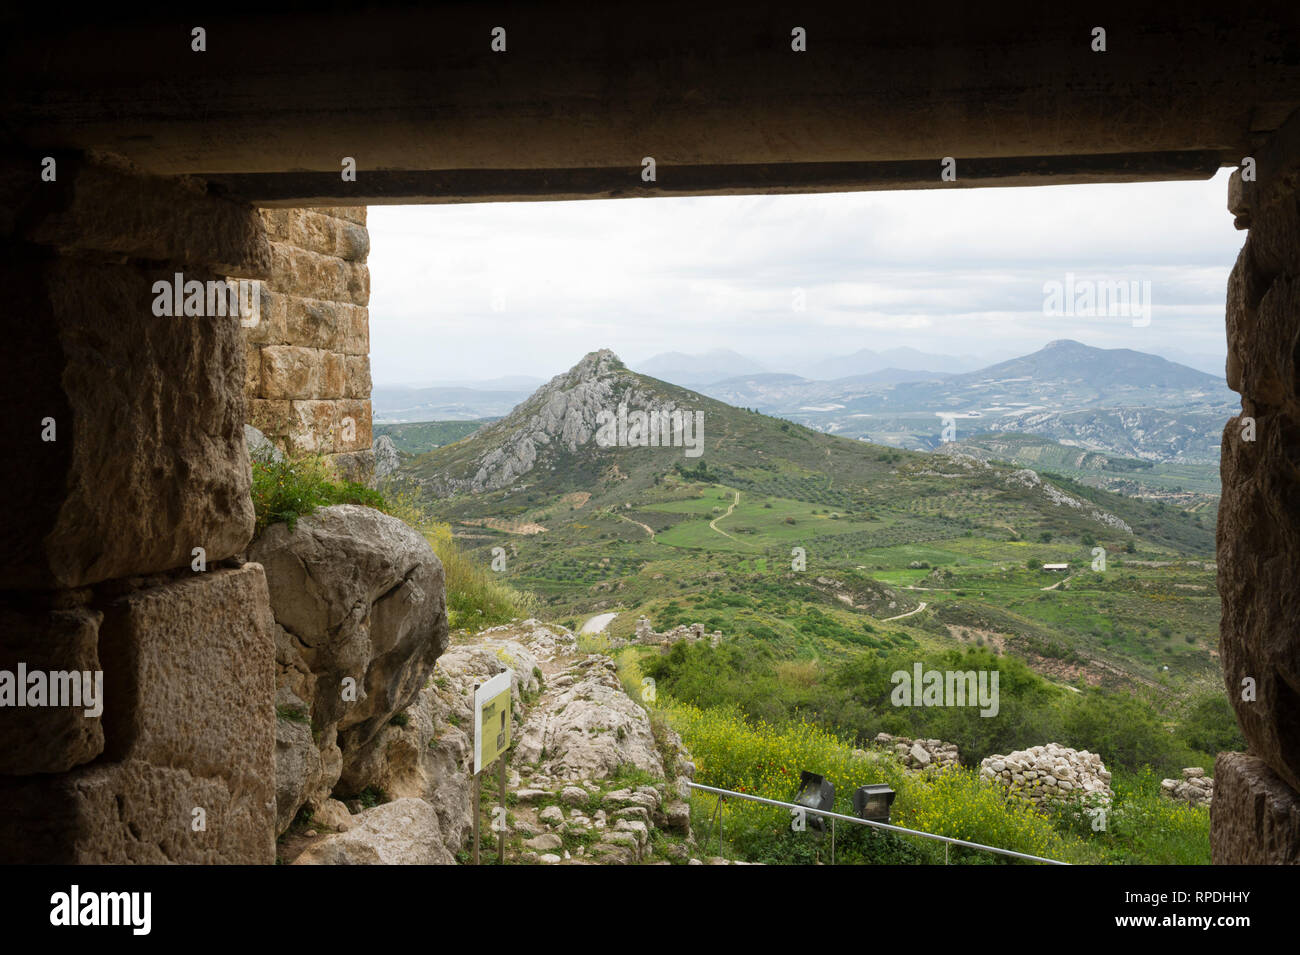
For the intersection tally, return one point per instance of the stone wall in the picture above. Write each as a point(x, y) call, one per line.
point(1255, 815)
point(307, 360)
point(126, 506)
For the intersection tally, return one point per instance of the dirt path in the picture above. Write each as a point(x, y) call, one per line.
point(713, 524)
point(908, 614)
point(645, 527)
point(1057, 584)
point(596, 624)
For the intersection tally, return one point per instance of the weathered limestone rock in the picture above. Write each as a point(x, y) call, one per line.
point(259, 448)
point(401, 832)
point(300, 769)
point(693, 633)
point(358, 596)
point(592, 730)
point(149, 459)
point(386, 458)
point(49, 739)
point(1255, 816)
point(429, 755)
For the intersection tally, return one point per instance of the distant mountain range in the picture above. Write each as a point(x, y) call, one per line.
point(549, 451)
point(1118, 401)
point(691, 371)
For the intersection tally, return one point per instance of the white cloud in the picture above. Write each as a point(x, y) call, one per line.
point(957, 271)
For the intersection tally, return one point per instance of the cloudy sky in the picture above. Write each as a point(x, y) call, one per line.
point(466, 292)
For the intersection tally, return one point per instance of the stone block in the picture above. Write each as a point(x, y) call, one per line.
point(356, 333)
point(356, 214)
point(313, 275)
point(313, 427)
point(189, 723)
point(272, 417)
point(148, 460)
point(357, 384)
point(358, 466)
point(316, 323)
point(189, 676)
point(103, 208)
point(51, 738)
point(134, 813)
point(1255, 816)
point(252, 369)
point(355, 427)
point(290, 371)
point(1273, 243)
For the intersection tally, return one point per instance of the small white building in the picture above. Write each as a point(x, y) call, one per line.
point(1059, 568)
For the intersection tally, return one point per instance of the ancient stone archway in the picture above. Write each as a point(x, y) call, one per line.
point(131, 157)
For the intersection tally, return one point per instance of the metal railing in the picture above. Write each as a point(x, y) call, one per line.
point(948, 841)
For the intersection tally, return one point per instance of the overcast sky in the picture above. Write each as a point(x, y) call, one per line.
point(480, 291)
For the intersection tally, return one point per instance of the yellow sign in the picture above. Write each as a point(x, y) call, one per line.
point(491, 720)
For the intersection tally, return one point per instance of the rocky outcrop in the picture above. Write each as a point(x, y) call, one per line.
point(561, 416)
point(1051, 773)
point(1195, 788)
point(1027, 478)
point(401, 832)
point(427, 752)
point(359, 604)
point(387, 460)
point(592, 729)
point(589, 804)
point(919, 754)
point(260, 447)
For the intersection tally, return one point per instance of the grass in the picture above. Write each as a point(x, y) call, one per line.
point(287, 490)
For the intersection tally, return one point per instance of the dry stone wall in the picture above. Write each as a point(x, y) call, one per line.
point(307, 359)
point(126, 506)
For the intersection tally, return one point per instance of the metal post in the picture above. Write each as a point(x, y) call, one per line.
point(832, 841)
point(501, 801)
point(478, 786)
point(945, 853)
point(720, 852)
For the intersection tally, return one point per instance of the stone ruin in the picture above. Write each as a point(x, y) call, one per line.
point(918, 754)
point(647, 635)
point(1195, 788)
point(1049, 773)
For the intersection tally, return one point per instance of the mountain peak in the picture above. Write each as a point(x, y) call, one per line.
point(601, 363)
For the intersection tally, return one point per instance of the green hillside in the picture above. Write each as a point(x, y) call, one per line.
point(812, 553)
